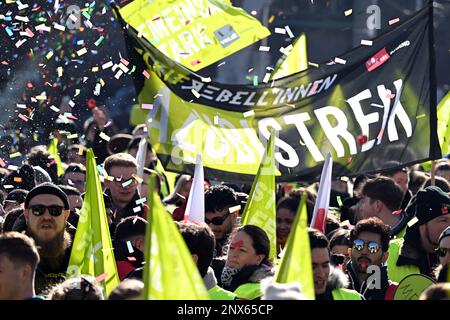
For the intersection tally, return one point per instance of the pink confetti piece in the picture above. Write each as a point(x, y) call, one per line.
point(147, 106)
point(21, 116)
point(195, 62)
point(101, 277)
point(146, 74)
point(131, 258)
point(2, 163)
point(391, 22)
point(29, 32)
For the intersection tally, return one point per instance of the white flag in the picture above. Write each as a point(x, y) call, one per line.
point(195, 208)
point(319, 219)
point(140, 159)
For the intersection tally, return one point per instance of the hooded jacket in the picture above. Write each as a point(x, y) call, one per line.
point(337, 281)
point(364, 290)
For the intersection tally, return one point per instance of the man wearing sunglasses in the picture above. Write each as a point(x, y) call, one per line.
point(370, 244)
point(443, 251)
point(416, 252)
point(46, 212)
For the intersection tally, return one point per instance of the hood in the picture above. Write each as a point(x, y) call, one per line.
point(261, 273)
point(209, 279)
point(337, 279)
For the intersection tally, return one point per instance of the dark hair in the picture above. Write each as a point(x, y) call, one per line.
point(384, 189)
point(126, 289)
point(134, 143)
point(416, 180)
point(391, 172)
point(10, 218)
point(219, 197)
point(260, 241)
point(130, 227)
point(19, 248)
point(443, 166)
point(17, 195)
point(373, 225)
point(438, 182)
point(440, 291)
point(69, 190)
point(201, 241)
point(77, 288)
point(39, 156)
point(340, 237)
point(75, 167)
point(317, 239)
point(292, 201)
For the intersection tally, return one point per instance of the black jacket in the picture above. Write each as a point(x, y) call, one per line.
point(363, 289)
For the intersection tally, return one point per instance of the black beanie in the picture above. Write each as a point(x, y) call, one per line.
point(47, 188)
point(431, 203)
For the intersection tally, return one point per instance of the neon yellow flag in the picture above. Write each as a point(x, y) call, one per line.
point(295, 61)
point(169, 270)
point(53, 150)
point(296, 263)
point(443, 115)
point(92, 251)
point(195, 33)
point(260, 209)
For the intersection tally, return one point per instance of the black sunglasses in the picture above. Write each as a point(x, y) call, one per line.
point(373, 246)
point(39, 210)
point(442, 252)
point(217, 220)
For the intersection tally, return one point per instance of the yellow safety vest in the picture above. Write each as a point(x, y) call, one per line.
point(397, 273)
point(345, 294)
point(248, 291)
point(217, 293)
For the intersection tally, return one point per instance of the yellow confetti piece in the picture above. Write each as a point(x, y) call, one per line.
point(15, 155)
point(77, 92)
point(81, 51)
point(102, 83)
point(94, 69)
point(80, 151)
point(272, 17)
point(234, 209)
point(420, 116)
point(49, 55)
point(60, 71)
point(72, 136)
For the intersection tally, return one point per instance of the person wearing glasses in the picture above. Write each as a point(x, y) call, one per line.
point(75, 176)
point(366, 269)
point(46, 212)
point(443, 252)
point(416, 252)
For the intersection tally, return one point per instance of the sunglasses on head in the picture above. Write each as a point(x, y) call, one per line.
point(217, 220)
point(372, 246)
point(39, 210)
point(442, 252)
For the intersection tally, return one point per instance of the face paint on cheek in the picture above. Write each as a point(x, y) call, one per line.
point(237, 244)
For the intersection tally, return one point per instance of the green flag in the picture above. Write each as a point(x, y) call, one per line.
point(296, 263)
point(53, 150)
point(169, 270)
point(260, 209)
point(295, 61)
point(92, 251)
point(443, 115)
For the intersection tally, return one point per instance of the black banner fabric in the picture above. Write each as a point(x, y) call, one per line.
point(372, 108)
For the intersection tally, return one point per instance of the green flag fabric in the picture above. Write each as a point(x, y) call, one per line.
point(169, 270)
point(443, 114)
point(92, 251)
point(296, 263)
point(260, 209)
point(195, 33)
point(53, 150)
point(295, 61)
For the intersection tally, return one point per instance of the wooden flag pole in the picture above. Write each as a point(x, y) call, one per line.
point(433, 167)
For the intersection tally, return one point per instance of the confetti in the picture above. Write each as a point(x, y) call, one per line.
point(49, 55)
point(99, 41)
point(272, 17)
point(280, 30)
point(340, 61)
point(8, 186)
point(420, 116)
point(72, 136)
point(58, 27)
point(118, 74)
point(81, 51)
point(221, 64)
point(264, 48)
point(249, 113)
point(255, 81)
point(348, 12)
point(24, 118)
point(20, 42)
point(2, 163)
point(147, 106)
point(101, 277)
point(146, 74)
point(393, 21)
point(137, 209)
point(412, 221)
point(17, 179)
point(73, 18)
point(42, 27)
point(289, 32)
point(366, 42)
point(21, 106)
point(216, 120)
point(54, 108)
point(266, 78)
point(123, 67)
point(195, 62)
point(131, 258)
point(234, 209)
point(208, 79)
point(15, 155)
point(23, 19)
point(107, 65)
point(130, 247)
point(104, 136)
point(141, 200)
point(94, 69)
point(13, 168)
point(127, 183)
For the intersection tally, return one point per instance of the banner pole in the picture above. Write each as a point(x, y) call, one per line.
point(433, 167)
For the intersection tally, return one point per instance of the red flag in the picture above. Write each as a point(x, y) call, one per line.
point(319, 218)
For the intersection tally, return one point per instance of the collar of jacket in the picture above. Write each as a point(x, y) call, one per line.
point(369, 294)
point(128, 208)
point(122, 253)
point(411, 252)
point(209, 279)
point(252, 273)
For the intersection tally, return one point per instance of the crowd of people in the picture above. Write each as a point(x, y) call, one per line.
point(397, 222)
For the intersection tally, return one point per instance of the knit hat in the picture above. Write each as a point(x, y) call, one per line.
point(17, 196)
point(431, 203)
point(47, 188)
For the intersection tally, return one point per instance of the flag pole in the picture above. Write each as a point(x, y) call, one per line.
point(433, 167)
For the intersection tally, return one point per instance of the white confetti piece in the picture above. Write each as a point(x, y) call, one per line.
point(348, 12)
point(58, 27)
point(107, 65)
point(340, 61)
point(147, 106)
point(13, 168)
point(266, 78)
point(20, 42)
point(73, 18)
point(23, 19)
point(130, 247)
point(391, 22)
point(118, 74)
point(280, 30)
point(412, 221)
point(264, 48)
point(21, 106)
point(104, 136)
point(289, 32)
point(249, 113)
point(49, 55)
point(54, 108)
point(81, 51)
point(216, 120)
point(42, 27)
point(123, 67)
point(137, 209)
point(208, 79)
point(235, 208)
point(141, 200)
point(366, 42)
